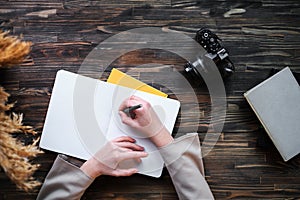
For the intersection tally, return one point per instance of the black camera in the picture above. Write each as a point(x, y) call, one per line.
point(215, 51)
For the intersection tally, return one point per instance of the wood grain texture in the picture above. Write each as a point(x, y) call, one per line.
point(259, 34)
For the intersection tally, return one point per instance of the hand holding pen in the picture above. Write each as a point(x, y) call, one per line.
point(145, 120)
point(129, 111)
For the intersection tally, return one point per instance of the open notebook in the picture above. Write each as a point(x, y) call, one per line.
point(83, 114)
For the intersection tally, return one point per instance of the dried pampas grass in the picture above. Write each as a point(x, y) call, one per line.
point(12, 50)
point(14, 155)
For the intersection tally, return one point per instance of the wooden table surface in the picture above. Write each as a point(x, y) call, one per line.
point(262, 34)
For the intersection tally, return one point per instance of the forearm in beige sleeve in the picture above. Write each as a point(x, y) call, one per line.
point(64, 181)
point(184, 162)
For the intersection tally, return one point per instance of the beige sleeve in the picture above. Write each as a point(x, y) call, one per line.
point(182, 158)
point(64, 181)
point(184, 162)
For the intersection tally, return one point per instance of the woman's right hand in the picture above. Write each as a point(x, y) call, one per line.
point(145, 121)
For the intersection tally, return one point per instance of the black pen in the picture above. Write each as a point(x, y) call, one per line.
point(129, 110)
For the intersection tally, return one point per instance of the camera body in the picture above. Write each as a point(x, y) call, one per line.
point(215, 51)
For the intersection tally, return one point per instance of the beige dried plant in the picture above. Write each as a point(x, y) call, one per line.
point(13, 51)
point(14, 155)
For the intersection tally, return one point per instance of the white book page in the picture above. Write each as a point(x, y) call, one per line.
point(166, 109)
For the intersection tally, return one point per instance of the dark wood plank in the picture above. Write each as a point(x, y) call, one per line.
point(259, 34)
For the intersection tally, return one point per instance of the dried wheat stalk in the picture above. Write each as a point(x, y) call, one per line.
point(14, 155)
point(12, 50)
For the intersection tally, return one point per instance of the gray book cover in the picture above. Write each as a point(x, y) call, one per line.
point(276, 102)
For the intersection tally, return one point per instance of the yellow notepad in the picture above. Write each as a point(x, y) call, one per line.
point(119, 78)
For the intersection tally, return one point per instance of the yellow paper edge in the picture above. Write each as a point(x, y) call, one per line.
point(119, 78)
